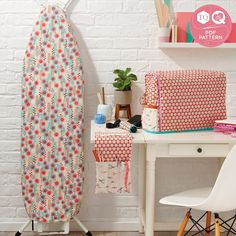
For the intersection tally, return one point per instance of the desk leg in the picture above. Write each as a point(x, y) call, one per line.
point(141, 187)
point(150, 190)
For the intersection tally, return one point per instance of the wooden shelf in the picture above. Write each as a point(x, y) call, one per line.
point(194, 45)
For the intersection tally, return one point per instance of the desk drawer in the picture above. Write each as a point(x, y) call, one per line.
point(198, 150)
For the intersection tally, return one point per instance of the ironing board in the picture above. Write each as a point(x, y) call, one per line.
point(52, 120)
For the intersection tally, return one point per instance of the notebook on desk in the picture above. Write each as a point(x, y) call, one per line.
point(225, 126)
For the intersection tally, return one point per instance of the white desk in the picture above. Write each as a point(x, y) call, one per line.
point(152, 146)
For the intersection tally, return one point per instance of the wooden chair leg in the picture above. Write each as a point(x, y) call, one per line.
point(183, 224)
point(217, 225)
point(208, 223)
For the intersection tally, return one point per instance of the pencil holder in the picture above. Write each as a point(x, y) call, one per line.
point(164, 34)
point(105, 110)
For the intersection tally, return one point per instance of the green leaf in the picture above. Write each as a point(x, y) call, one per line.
point(127, 84)
point(127, 71)
point(118, 80)
point(118, 85)
point(124, 79)
point(117, 71)
point(133, 77)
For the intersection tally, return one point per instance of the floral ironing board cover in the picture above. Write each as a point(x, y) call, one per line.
point(52, 120)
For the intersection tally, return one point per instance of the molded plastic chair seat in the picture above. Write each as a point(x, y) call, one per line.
point(220, 198)
point(190, 199)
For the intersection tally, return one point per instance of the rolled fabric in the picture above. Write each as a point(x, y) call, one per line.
point(127, 126)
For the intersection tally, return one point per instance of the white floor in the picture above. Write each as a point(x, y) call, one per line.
point(94, 234)
point(100, 234)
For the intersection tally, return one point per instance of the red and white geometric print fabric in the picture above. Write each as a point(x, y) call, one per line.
point(186, 99)
point(113, 152)
point(125, 125)
point(150, 94)
point(115, 146)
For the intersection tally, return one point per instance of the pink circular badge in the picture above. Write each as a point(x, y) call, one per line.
point(211, 25)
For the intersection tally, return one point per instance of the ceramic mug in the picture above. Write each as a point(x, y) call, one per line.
point(105, 110)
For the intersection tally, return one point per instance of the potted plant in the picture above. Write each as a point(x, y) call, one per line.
point(122, 83)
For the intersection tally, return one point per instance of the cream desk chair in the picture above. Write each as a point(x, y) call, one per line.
point(217, 199)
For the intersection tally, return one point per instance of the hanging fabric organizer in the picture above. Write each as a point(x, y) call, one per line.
point(113, 152)
point(52, 120)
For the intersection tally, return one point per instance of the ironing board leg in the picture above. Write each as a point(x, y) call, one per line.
point(18, 233)
point(88, 233)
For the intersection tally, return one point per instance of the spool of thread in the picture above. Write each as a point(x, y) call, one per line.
point(100, 119)
point(127, 126)
point(105, 110)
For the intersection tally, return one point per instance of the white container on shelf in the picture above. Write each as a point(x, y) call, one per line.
point(164, 34)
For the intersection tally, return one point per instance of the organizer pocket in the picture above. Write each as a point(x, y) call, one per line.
point(113, 177)
point(150, 119)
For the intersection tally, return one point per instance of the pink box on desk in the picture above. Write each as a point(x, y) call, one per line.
point(232, 36)
point(182, 20)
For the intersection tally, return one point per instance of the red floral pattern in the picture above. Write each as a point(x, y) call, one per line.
point(52, 119)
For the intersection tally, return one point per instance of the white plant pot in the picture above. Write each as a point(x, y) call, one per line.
point(164, 34)
point(123, 97)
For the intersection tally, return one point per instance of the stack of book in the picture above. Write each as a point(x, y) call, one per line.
point(174, 33)
point(225, 126)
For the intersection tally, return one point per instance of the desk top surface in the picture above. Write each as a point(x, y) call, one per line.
point(190, 137)
point(182, 137)
point(137, 137)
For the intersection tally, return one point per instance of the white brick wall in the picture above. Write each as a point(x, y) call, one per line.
point(111, 34)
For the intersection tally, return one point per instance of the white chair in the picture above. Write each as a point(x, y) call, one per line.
point(219, 198)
